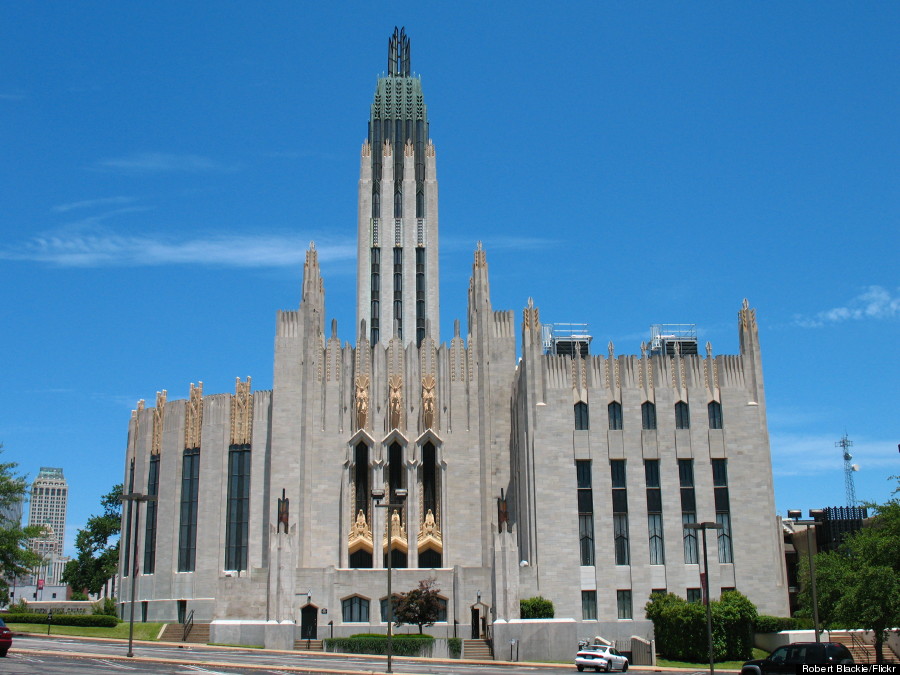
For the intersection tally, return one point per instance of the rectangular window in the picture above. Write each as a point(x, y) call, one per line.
point(695, 595)
point(150, 525)
point(648, 415)
point(615, 416)
point(238, 509)
point(620, 512)
point(585, 511)
point(589, 605)
point(355, 609)
point(723, 509)
point(190, 495)
point(654, 512)
point(691, 551)
point(682, 416)
point(623, 602)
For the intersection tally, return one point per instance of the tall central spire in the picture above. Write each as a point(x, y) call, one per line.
point(397, 269)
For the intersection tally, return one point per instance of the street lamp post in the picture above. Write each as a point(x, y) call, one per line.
point(810, 524)
point(136, 498)
point(704, 527)
point(378, 495)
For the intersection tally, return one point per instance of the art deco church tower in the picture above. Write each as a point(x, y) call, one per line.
point(397, 268)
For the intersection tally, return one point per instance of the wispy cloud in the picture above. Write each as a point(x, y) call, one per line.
point(111, 250)
point(161, 162)
point(795, 454)
point(92, 203)
point(875, 302)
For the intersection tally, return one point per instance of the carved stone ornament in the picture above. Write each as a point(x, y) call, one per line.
point(430, 534)
point(241, 413)
point(362, 401)
point(360, 534)
point(399, 540)
point(158, 415)
point(395, 400)
point(428, 405)
point(193, 417)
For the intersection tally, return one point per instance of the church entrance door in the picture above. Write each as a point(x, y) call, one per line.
point(308, 617)
point(476, 624)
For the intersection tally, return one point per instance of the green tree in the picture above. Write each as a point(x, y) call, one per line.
point(537, 607)
point(98, 546)
point(16, 558)
point(420, 606)
point(858, 585)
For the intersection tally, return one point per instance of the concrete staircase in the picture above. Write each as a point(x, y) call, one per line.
point(477, 649)
point(175, 631)
point(309, 645)
point(862, 652)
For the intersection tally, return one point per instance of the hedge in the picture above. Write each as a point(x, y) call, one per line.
point(376, 643)
point(680, 627)
point(91, 620)
point(455, 647)
point(775, 624)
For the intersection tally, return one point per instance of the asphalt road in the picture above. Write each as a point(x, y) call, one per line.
point(38, 655)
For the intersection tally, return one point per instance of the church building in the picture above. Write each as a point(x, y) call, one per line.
point(509, 460)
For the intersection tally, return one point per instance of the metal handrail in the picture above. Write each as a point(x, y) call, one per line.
point(188, 624)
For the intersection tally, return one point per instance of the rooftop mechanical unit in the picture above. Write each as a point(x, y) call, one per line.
point(667, 339)
point(566, 339)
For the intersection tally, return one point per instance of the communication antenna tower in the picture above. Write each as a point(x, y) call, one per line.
point(845, 444)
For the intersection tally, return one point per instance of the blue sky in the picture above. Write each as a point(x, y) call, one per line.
point(166, 164)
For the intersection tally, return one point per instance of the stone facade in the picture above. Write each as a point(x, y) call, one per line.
point(264, 509)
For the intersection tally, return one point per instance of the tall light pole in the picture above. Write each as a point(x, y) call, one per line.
point(136, 498)
point(704, 527)
point(810, 524)
point(378, 495)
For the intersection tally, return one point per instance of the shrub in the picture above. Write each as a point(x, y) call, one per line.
point(87, 620)
point(537, 607)
point(680, 627)
point(774, 624)
point(455, 647)
point(79, 596)
point(376, 643)
point(105, 607)
point(19, 607)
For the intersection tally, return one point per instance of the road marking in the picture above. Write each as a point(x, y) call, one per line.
point(113, 664)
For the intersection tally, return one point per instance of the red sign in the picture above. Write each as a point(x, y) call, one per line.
point(40, 584)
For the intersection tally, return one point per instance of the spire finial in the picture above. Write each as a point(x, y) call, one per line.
point(398, 53)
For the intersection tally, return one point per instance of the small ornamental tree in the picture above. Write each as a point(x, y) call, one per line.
point(418, 607)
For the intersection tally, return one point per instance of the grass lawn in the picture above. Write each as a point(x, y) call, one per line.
point(724, 665)
point(142, 631)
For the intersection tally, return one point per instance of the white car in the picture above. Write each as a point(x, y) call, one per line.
point(600, 657)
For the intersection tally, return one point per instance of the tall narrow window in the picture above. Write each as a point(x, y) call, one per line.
point(723, 509)
point(615, 416)
point(582, 416)
point(623, 602)
point(376, 294)
point(585, 511)
point(238, 509)
point(128, 509)
point(396, 482)
point(420, 295)
point(190, 493)
point(398, 289)
point(715, 415)
point(150, 524)
point(654, 512)
point(430, 557)
point(361, 556)
point(648, 415)
point(620, 511)
point(688, 510)
point(589, 605)
point(682, 415)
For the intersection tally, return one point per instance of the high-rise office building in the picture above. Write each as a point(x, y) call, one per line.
point(47, 509)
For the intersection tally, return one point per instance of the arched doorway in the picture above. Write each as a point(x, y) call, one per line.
point(309, 617)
